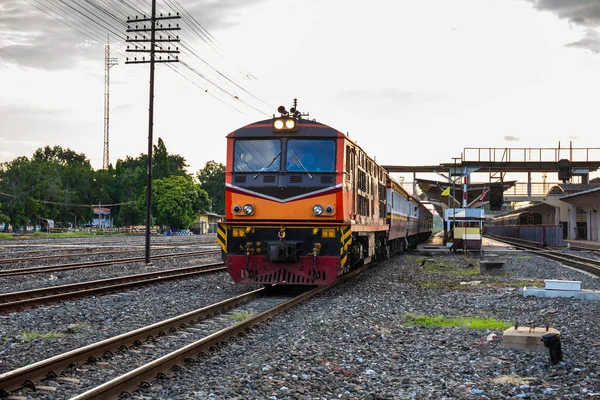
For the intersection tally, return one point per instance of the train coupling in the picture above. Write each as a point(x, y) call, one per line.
point(316, 251)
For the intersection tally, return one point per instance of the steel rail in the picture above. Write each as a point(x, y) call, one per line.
point(89, 264)
point(25, 376)
point(50, 256)
point(146, 373)
point(24, 259)
point(19, 300)
point(586, 264)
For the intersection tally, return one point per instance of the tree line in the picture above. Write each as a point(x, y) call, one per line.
point(60, 184)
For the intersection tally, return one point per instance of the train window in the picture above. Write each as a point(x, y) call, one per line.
point(310, 155)
point(257, 155)
point(348, 159)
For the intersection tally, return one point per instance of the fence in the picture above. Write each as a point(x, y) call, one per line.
point(545, 235)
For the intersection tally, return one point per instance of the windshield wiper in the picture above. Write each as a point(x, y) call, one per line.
point(302, 165)
point(267, 167)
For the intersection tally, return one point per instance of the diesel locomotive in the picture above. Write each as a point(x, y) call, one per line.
point(305, 204)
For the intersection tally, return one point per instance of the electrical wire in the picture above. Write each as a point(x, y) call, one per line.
point(95, 18)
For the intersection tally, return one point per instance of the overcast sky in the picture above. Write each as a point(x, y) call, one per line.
point(413, 81)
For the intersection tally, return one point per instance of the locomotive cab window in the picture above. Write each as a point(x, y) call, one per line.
point(310, 155)
point(257, 155)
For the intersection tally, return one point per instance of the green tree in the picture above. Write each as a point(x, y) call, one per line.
point(165, 164)
point(4, 218)
point(19, 185)
point(212, 180)
point(176, 201)
point(48, 185)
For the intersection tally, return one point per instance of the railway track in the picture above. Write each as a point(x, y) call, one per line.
point(20, 300)
point(210, 338)
point(585, 264)
point(52, 256)
point(103, 263)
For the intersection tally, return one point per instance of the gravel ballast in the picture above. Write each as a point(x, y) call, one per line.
point(353, 341)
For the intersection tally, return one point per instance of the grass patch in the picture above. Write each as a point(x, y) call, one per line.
point(511, 380)
point(28, 335)
point(454, 270)
point(5, 236)
point(448, 285)
point(75, 328)
point(240, 316)
point(519, 283)
point(464, 322)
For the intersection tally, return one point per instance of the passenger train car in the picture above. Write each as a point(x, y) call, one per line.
point(519, 218)
point(305, 204)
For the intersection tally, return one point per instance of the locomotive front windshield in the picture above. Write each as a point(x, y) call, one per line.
point(310, 155)
point(257, 155)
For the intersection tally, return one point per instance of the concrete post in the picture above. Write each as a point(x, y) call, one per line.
point(572, 222)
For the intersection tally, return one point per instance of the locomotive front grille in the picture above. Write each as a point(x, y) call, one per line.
point(295, 178)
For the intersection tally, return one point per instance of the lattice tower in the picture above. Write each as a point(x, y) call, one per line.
point(108, 62)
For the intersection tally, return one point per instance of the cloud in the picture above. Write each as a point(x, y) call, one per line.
point(386, 100)
point(217, 14)
point(591, 41)
point(122, 108)
point(511, 138)
point(581, 12)
point(31, 36)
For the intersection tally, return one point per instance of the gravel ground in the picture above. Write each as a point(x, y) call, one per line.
point(352, 342)
point(39, 280)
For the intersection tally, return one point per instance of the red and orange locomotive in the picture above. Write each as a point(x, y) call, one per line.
point(305, 204)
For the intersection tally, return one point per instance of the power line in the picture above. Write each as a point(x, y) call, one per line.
point(94, 18)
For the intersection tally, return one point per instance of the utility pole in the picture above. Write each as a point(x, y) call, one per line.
point(108, 62)
point(139, 25)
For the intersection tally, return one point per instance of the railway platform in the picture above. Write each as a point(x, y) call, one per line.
point(434, 245)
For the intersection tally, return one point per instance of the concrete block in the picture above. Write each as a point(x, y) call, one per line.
point(491, 267)
point(526, 338)
point(555, 284)
point(540, 292)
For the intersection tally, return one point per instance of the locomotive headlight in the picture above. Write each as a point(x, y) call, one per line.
point(290, 124)
point(237, 209)
point(285, 124)
point(317, 209)
point(248, 209)
point(329, 210)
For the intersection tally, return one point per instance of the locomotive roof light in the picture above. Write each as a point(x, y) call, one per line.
point(317, 210)
point(278, 124)
point(248, 209)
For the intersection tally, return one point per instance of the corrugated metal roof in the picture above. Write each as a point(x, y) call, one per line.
point(595, 190)
point(569, 188)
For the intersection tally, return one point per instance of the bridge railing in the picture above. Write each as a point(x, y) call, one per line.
point(519, 189)
point(537, 188)
point(528, 154)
